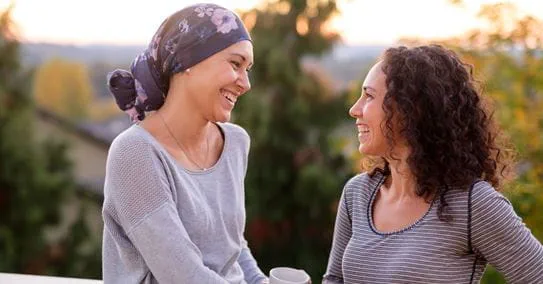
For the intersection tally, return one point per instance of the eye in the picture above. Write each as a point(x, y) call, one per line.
point(236, 64)
point(367, 96)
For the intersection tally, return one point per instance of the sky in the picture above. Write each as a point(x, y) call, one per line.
point(123, 22)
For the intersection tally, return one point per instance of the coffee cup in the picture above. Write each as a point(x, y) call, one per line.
point(287, 275)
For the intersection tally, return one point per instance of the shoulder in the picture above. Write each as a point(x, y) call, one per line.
point(131, 140)
point(484, 194)
point(357, 182)
point(361, 186)
point(236, 134)
point(234, 130)
point(134, 146)
point(136, 169)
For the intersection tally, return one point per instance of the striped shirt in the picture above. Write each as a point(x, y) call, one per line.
point(431, 250)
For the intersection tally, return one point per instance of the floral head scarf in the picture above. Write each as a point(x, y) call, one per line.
point(183, 40)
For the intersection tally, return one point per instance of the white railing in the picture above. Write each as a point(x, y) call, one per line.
point(9, 278)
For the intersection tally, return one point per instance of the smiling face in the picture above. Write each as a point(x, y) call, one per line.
point(369, 114)
point(214, 85)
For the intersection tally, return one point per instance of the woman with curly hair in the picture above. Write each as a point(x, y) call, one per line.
point(427, 210)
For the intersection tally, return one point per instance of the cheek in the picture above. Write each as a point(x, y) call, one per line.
point(372, 113)
point(375, 118)
point(366, 111)
point(225, 76)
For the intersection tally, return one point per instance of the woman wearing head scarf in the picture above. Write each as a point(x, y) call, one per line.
point(174, 191)
point(428, 210)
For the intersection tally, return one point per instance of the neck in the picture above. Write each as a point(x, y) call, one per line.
point(187, 125)
point(401, 184)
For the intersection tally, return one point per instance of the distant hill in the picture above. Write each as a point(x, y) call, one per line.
point(100, 59)
point(35, 53)
point(347, 63)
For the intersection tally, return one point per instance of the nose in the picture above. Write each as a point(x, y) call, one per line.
point(356, 110)
point(243, 83)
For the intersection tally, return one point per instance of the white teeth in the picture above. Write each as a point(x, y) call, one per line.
point(229, 96)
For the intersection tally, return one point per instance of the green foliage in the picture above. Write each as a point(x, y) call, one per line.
point(295, 174)
point(35, 179)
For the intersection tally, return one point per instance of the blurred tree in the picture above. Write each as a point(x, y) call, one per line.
point(35, 180)
point(508, 57)
point(296, 174)
point(63, 87)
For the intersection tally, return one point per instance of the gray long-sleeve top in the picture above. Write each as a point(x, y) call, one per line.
point(166, 224)
point(431, 250)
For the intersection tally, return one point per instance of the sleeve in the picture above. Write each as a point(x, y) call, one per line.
point(248, 264)
point(342, 235)
point(501, 237)
point(138, 194)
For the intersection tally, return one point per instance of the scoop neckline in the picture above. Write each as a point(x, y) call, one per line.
point(179, 165)
point(369, 212)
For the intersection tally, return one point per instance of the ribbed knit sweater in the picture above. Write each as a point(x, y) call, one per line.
point(166, 224)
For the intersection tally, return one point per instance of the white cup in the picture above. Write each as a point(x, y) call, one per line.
point(287, 275)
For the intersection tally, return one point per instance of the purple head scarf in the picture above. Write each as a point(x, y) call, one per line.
point(183, 40)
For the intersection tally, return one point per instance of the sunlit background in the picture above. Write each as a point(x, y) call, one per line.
point(57, 117)
point(134, 22)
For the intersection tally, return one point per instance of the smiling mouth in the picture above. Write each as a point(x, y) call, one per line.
point(229, 96)
point(363, 130)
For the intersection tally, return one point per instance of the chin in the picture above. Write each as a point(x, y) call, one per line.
point(366, 150)
point(223, 117)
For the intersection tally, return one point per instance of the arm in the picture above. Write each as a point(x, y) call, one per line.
point(503, 239)
point(252, 273)
point(137, 193)
point(342, 235)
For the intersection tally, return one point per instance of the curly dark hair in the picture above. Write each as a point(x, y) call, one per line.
point(439, 110)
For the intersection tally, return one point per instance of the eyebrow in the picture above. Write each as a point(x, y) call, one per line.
point(365, 88)
point(242, 57)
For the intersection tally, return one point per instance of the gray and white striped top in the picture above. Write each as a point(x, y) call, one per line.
point(430, 250)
